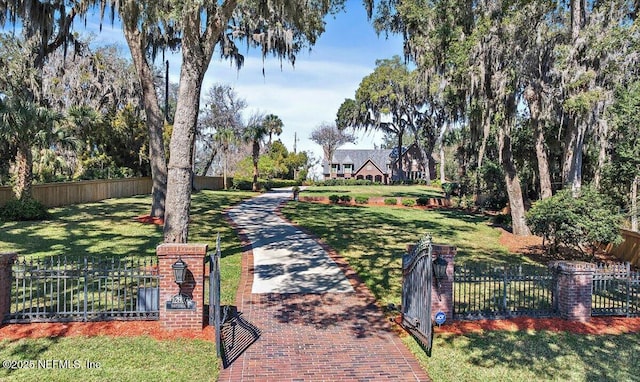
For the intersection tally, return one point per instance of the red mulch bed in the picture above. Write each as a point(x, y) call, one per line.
point(147, 219)
point(108, 328)
point(597, 325)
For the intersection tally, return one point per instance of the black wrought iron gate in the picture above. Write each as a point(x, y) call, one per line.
point(214, 294)
point(416, 293)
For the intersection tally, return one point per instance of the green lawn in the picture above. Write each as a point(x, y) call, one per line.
point(373, 239)
point(412, 191)
point(119, 359)
point(108, 229)
point(531, 356)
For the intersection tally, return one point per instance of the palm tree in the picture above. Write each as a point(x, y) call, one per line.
point(274, 125)
point(254, 133)
point(25, 125)
point(225, 136)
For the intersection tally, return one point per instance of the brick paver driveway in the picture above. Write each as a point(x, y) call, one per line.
point(303, 314)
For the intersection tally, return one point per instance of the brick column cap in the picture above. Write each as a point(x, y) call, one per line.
point(167, 249)
point(572, 267)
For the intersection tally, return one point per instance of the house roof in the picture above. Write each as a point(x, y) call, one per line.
point(359, 157)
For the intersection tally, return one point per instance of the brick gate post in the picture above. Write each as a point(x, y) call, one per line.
point(572, 289)
point(442, 297)
point(6, 261)
point(193, 255)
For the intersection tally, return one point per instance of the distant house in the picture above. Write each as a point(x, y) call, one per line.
point(375, 165)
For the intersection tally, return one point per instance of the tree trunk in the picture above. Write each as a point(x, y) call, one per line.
point(512, 180)
point(399, 164)
point(256, 158)
point(486, 131)
point(442, 154)
point(572, 164)
point(602, 153)
point(209, 162)
point(634, 204)
point(24, 172)
point(155, 119)
point(224, 170)
point(534, 102)
point(194, 64)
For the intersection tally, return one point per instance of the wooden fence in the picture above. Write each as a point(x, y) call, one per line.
point(629, 249)
point(67, 193)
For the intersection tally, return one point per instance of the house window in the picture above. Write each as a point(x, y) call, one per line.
point(348, 168)
point(335, 168)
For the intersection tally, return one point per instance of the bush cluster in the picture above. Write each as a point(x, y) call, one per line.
point(346, 182)
point(361, 200)
point(408, 202)
point(451, 188)
point(422, 201)
point(390, 201)
point(335, 199)
point(23, 209)
point(247, 184)
point(583, 221)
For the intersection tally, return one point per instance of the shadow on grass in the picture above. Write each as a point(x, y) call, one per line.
point(373, 239)
point(547, 356)
point(108, 228)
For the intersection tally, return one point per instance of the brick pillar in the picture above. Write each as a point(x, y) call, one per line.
point(193, 255)
point(6, 261)
point(442, 297)
point(573, 287)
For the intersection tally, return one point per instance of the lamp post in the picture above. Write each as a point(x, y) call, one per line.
point(179, 271)
point(440, 269)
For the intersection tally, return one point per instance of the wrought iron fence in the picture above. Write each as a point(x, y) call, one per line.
point(86, 289)
point(616, 291)
point(500, 292)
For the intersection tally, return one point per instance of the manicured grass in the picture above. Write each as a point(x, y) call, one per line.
point(412, 191)
point(119, 359)
point(373, 239)
point(108, 229)
point(531, 356)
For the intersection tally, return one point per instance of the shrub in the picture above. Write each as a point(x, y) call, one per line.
point(408, 202)
point(24, 209)
point(361, 200)
point(282, 183)
point(466, 202)
point(390, 201)
point(423, 201)
point(345, 198)
point(334, 199)
point(242, 184)
point(436, 183)
point(345, 182)
point(584, 221)
point(450, 188)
